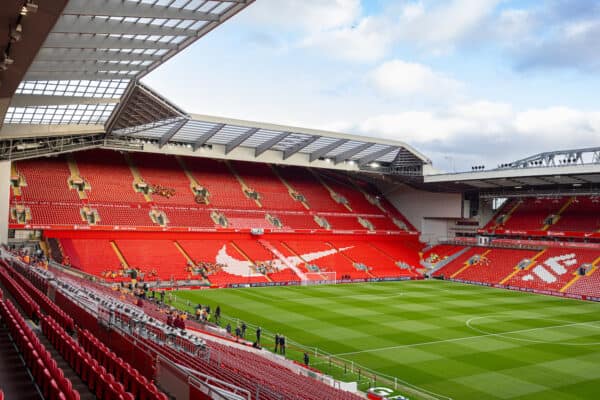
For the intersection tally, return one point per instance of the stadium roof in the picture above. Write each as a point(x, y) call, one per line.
point(70, 62)
point(254, 140)
point(576, 168)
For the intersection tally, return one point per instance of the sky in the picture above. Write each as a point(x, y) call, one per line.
point(466, 82)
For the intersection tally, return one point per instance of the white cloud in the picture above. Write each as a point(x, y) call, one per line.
point(415, 126)
point(340, 29)
point(556, 121)
point(514, 25)
point(368, 40)
point(440, 27)
point(580, 28)
point(308, 15)
point(493, 132)
point(397, 78)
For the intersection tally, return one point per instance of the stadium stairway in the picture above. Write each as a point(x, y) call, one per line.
point(517, 270)
point(512, 206)
point(288, 186)
point(244, 187)
point(78, 384)
point(467, 265)
point(589, 284)
point(269, 246)
point(554, 270)
point(559, 213)
point(578, 277)
point(332, 192)
point(499, 263)
point(137, 176)
point(183, 252)
point(119, 254)
point(581, 216)
point(456, 264)
point(75, 174)
point(193, 181)
point(15, 380)
point(244, 254)
point(352, 261)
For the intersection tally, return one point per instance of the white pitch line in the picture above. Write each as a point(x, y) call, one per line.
point(501, 334)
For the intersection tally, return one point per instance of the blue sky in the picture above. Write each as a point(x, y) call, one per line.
point(467, 82)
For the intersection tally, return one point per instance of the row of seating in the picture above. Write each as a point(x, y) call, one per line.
point(587, 285)
point(552, 269)
point(44, 369)
point(109, 189)
point(563, 214)
point(99, 381)
point(47, 305)
point(235, 366)
point(260, 376)
point(36, 279)
point(29, 306)
point(168, 259)
point(130, 377)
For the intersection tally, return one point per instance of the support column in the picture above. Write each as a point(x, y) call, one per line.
point(4, 200)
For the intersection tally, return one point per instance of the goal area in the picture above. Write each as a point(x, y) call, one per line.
point(319, 278)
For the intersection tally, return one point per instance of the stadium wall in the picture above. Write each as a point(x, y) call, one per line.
point(4, 200)
point(486, 212)
point(430, 212)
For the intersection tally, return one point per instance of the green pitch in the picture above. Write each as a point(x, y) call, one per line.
point(457, 341)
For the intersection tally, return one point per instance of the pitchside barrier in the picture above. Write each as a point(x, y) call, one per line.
point(298, 283)
point(529, 290)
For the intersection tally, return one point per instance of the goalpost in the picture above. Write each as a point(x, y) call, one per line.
point(319, 278)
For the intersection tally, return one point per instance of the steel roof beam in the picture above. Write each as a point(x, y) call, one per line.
point(287, 153)
point(315, 155)
point(32, 100)
point(346, 155)
point(270, 143)
point(168, 135)
point(82, 66)
point(374, 156)
point(119, 8)
point(50, 55)
point(83, 25)
point(88, 76)
point(62, 40)
point(239, 140)
point(207, 136)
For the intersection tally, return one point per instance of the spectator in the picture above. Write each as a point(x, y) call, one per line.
point(282, 345)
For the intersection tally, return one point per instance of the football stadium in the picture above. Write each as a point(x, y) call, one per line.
point(149, 252)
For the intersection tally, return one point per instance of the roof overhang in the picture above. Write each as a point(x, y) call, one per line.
point(77, 58)
point(504, 180)
point(229, 138)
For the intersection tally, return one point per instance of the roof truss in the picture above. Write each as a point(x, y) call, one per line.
point(270, 143)
point(315, 155)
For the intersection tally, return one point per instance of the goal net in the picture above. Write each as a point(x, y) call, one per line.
point(318, 278)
